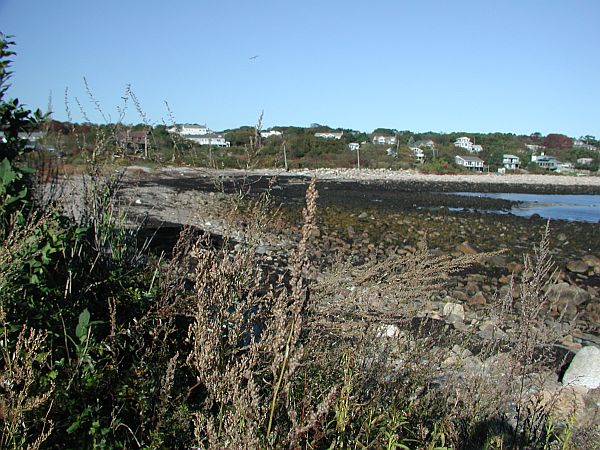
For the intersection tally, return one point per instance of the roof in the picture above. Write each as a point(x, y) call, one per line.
point(510, 156)
point(470, 158)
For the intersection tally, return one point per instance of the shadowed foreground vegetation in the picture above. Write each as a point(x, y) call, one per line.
point(106, 344)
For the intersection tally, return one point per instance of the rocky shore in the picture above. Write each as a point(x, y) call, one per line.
point(370, 215)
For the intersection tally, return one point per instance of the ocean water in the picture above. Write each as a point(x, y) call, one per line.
point(578, 208)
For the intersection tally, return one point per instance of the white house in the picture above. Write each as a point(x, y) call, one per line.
point(419, 155)
point(329, 135)
point(584, 145)
point(354, 146)
point(423, 143)
point(465, 142)
point(383, 139)
point(547, 162)
point(470, 162)
point(534, 147)
point(216, 140)
point(187, 129)
point(270, 133)
point(511, 162)
point(584, 161)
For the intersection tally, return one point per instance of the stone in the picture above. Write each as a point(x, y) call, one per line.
point(584, 370)
point(564, 293)
point(478, 300)
point(363, 215)
point(454, 312)
point(498, 261)
point(491, 330)
point(568, 342)
point(467, 248)
point(577, 266)
point(592, 261)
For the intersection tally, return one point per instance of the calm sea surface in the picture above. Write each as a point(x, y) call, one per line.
point(579, 208)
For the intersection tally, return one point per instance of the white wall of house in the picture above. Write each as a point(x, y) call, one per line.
point(329, 135)
point(511, 162)
point(383, 140)
point(209, 139)
point(471, 163)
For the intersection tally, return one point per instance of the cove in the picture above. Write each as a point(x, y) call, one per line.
point(578, 208)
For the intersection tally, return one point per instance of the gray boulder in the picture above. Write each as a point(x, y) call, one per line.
point(584, 370)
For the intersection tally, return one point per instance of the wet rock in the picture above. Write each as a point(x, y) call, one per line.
point(584, 370)
point(593, 262)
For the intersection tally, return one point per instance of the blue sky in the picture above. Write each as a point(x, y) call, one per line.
point(442, 65)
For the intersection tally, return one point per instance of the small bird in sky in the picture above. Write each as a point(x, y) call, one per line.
point(252, 58)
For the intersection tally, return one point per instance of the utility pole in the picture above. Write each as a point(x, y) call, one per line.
point(358, 157)
point(285, 164)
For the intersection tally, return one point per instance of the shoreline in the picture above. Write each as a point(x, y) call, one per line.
point(405, 179)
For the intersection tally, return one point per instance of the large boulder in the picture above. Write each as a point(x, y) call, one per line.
point(564, 293)
point(584, 370)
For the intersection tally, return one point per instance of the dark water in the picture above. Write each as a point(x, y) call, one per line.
point(578, 208)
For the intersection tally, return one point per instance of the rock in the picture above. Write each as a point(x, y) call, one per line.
point(460, 295)
point(389, 331)
point(561, 237)
point(568, 342)
point(564, 403)
point(467, 248)
point(472, 288)
point(591, 260)
point(478, 300)
point(514, 267)
point(363, 215)
point(454, 312)
point(584, 370)
point(497, 261)
point(491, 330)
point(577, 266)
point(564, 293)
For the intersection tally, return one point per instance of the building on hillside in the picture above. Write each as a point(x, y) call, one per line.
point(419, 154)
point(470, 162)
point(329, 135)
point(511, 162)
point(31, 137)
point(583, 145)
point(585, 161)
point(547, 162)
point(423, 143)
point(212, 139)
point(354, 146)
point(534, 147)
point(465, 142)
point(270, 133)
point(188, 129)
point(382, 139)
point(134, 140)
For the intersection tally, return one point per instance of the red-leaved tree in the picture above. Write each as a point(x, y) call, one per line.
point(559, 141)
